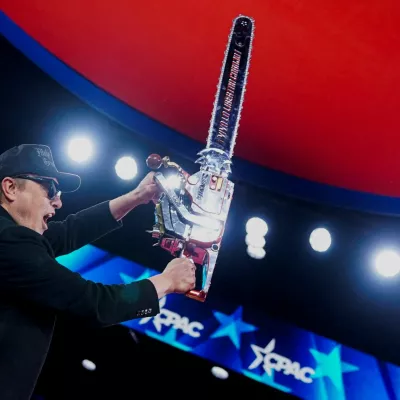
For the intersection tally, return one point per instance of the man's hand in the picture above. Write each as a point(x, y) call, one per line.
point(181, 272)
point(147, 190)
point(177, 277)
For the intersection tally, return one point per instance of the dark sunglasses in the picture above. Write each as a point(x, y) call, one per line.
point(47, 183)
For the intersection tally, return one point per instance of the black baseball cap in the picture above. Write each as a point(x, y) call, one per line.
point(36, 159)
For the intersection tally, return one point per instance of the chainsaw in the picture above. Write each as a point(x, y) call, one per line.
point(192, 211)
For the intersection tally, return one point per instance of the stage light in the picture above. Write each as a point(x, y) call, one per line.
point(255, 240)
point(320, 239)
point(256, 229)
point(219, 372)
point(89, 365)
point(80, 149)
point(126, 168)
point(387, 263)
point(256, 252)
point(256, 226)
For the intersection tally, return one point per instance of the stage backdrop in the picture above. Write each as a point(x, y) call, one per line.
point(269, 351)
point(320, 118)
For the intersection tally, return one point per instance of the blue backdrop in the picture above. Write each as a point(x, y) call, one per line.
point(269, 351)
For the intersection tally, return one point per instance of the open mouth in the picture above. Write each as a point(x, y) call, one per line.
point(47, 217)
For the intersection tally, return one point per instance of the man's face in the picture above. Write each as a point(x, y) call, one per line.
point(34, 205)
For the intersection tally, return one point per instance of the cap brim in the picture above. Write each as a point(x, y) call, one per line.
point(68, 182)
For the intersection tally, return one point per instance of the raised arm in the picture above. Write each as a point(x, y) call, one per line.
point(80, 229)
point(84, 227)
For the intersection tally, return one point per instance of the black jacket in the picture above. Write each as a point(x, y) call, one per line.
point(34, 288)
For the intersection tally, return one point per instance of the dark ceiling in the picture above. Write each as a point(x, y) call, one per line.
point(336, 294)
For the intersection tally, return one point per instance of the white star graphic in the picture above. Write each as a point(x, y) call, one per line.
point(260, 353)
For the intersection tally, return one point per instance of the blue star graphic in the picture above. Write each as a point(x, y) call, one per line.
point(331, 366)
point(129, 279)
point(232, 326)
point(170, 338)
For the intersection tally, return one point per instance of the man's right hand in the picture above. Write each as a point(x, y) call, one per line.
point(177, 277)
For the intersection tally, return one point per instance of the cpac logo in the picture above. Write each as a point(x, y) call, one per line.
point(171, 318)
point(279, 363)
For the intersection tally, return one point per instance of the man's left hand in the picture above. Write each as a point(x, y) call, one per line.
point(147, 190)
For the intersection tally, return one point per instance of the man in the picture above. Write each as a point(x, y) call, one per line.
point(34, 288)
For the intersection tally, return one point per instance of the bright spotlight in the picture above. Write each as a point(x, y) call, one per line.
point(256, 226)
point(80, 149)
point(387, 263)
point(89, 365)
point(219, 372)
point(256, 252)
point(255, 240)
point(320, 239)
point(126, 168)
